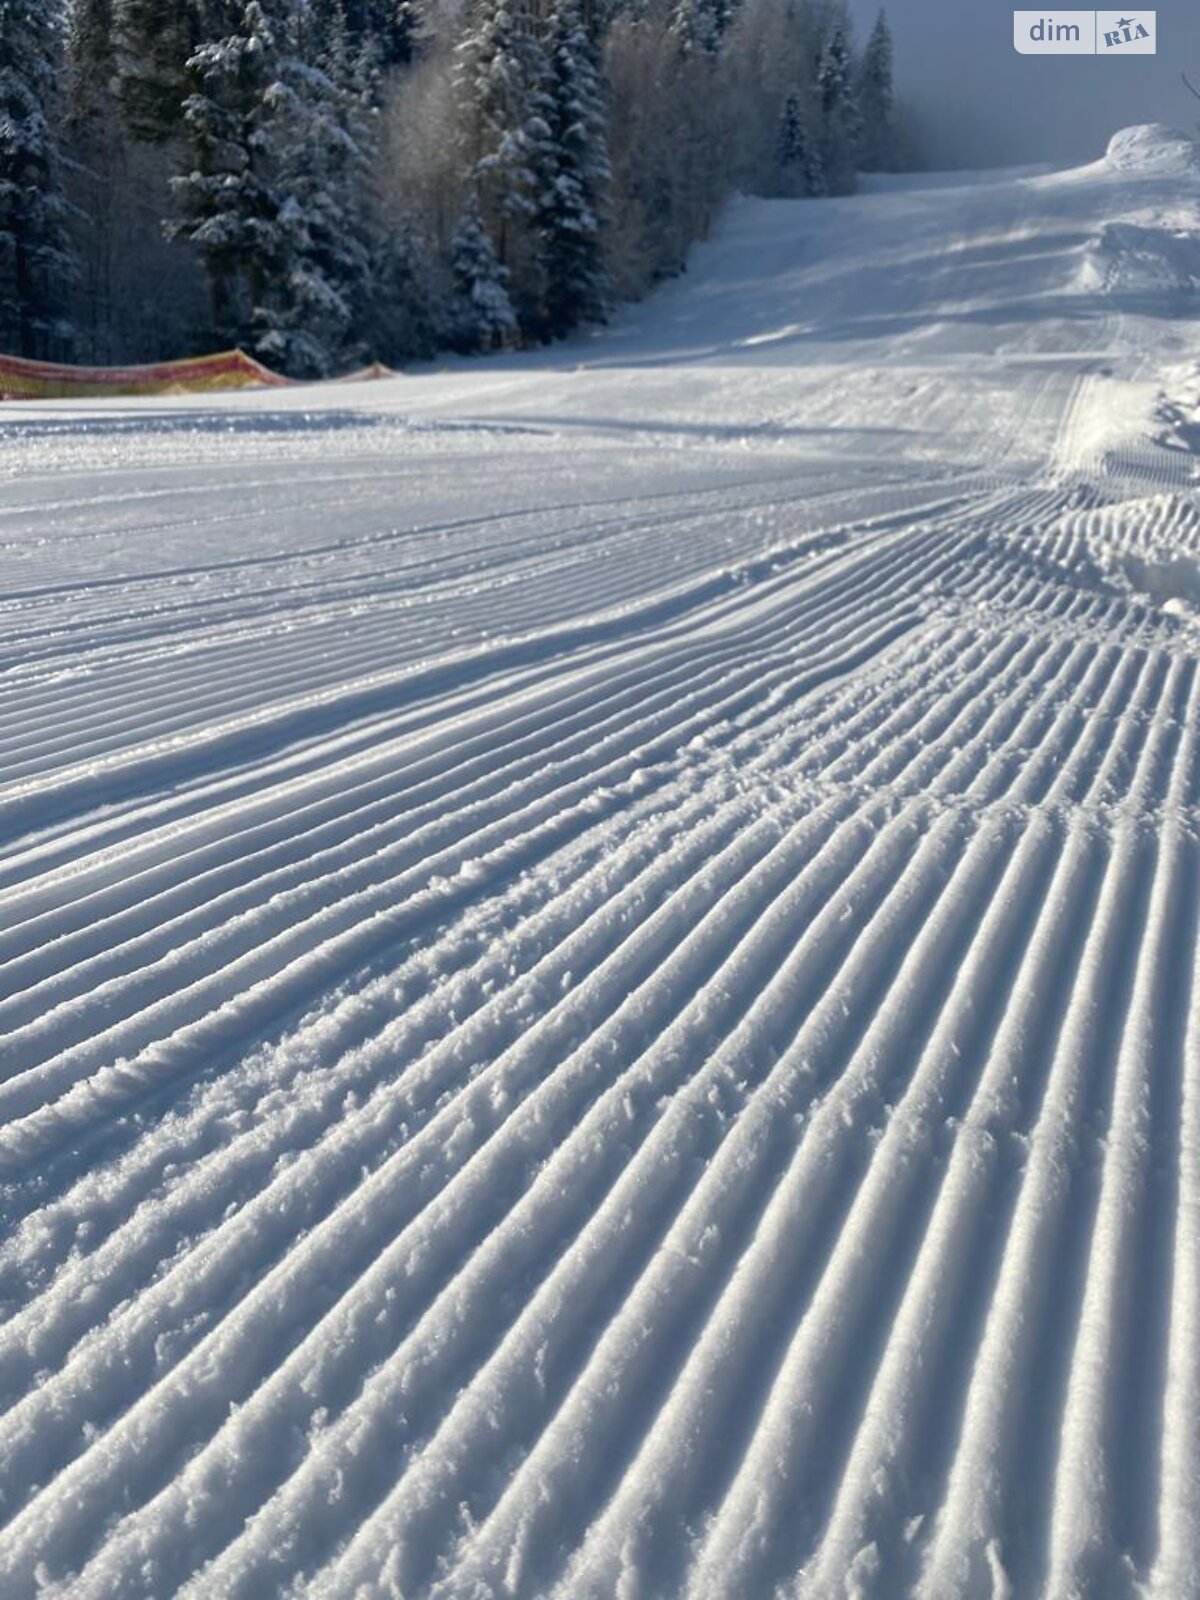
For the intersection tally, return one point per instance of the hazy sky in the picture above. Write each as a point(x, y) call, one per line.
point(982, 103)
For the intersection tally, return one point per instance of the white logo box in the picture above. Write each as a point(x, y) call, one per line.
point(1085, 33)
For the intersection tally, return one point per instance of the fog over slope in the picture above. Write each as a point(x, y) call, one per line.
point(981, 104)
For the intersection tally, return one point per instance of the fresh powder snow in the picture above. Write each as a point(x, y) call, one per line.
point(600, 945)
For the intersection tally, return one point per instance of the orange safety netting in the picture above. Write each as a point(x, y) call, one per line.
point(366, 374)
point(49, 380)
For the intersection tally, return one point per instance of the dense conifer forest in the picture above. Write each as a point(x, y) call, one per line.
point(325, 182)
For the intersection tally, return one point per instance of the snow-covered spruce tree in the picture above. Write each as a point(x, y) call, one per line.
point(36, 258)
point(876, 99)
point(815, 182)
point(572, 202)
point(798, 154)
point(407, 315)
point(228, 198)
point(481, 314)
point(390, 27)
point(508, 155)
point(837, 99)
point(792, 146)
point(835, 77)
point(698, 25)
point(703, 24)
point(319, 138)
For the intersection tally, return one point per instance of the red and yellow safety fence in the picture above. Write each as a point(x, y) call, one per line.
point(49, 380)
point(367, 374)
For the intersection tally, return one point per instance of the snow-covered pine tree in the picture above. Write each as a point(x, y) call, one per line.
point(356, 247)
point(228, 199)
point(389, 27)
point(320, 137)
point(837, 99)
point(482, 315)
point(696, 24)
point(36, 258)
point(571, 205)
point(791, 146)
point(876, 98)
point(495, 93)
point(797, 153)
point(407, 315)
point(508, 152)
point(701, 25)
point(834, 82)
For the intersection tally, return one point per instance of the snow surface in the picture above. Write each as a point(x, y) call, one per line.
point(1152, 147)
point(601, 947)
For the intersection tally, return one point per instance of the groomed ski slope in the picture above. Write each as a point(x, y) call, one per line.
point(599, 948)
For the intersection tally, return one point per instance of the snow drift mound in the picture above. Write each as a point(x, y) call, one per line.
point(1177, 414)
point(1152, 147)
point(1133, 258)
point(1154, 249)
